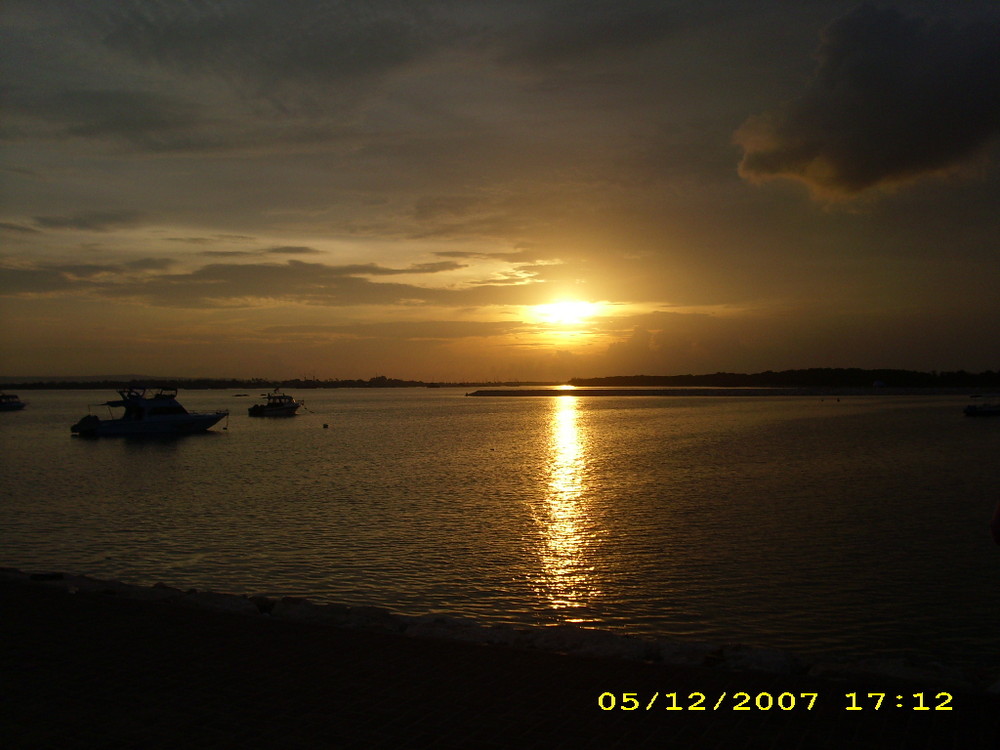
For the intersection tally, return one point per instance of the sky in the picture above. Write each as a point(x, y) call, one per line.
point(497, 190)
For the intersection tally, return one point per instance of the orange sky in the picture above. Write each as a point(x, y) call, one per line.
point(284, 189)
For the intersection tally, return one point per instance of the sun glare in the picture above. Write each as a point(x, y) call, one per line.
point(570, 312)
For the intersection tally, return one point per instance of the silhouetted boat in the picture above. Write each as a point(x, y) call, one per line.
point(10, 402)
point(277, 405)
point(159, 414)
point(982, 410)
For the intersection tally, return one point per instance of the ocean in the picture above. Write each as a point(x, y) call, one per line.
point(853, 527)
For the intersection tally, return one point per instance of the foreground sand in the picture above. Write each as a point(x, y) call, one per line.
point(98, 670)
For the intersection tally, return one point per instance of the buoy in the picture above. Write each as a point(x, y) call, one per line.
point(326, 426)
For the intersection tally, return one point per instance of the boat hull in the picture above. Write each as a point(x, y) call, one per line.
point(982, 411)
point(273, 411)
point(181, 425)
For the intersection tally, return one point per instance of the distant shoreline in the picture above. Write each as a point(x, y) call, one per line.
point(721, 392)
point(823, 379)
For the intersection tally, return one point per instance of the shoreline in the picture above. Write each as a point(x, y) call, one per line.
point(701, 391)
point(566, 639)
point(94, 664)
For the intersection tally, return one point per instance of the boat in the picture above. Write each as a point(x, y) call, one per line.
point(983, 409)
point(10, 402)
point(276, 405)
point(156, 414)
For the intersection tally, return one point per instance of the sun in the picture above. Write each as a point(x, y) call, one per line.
point(566, 312)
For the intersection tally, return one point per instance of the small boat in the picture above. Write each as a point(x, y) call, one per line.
point(983, 409)
point(276, 405)
point(158, 414)
point(10, 402)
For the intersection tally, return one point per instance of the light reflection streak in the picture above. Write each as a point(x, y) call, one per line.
point(566, 523)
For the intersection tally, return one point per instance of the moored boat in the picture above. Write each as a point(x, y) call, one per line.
point(10, 402)
point(276, 405)
point(989, 408)
point(158, 414)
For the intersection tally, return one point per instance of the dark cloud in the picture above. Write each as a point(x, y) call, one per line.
point(223, 285)
point(572, 32)
point(18, 281)
point(438, 267)
point(74, 277)
point(209, 240)
point(291, 250)
point(894, 98)
point(142, 117)
point(91, 221)
point(83, 270)
point(278, 250)
point(271, 44)
point(418, 330)
point(150, 264)
point(11, 227)
point(204, 76)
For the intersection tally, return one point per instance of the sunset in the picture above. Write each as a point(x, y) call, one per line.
point(472, 374)
point(429, 191)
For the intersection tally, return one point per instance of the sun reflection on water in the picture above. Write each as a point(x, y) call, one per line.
point(566, 523)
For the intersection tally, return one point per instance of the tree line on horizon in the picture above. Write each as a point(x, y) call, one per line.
point(816, 377)
point(827, 377)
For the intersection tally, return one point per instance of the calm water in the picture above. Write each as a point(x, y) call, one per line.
point(856, 527)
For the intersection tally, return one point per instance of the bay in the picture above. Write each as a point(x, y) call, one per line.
point(854, 527)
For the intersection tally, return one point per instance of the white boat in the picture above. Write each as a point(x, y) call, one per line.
point(10, 402)
point(158, 414)
point(276, 405)
point(983, 409)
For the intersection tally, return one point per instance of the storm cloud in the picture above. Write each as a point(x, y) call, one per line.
point(894, 99)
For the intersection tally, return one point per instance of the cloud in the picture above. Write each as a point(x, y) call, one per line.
point(212, 76)
point(271, 45)
point(291, 250)
point(11, 227)
point(894, 99)
point(74, 278)
point(571, 33)
point(90, 221)
point(415, 330)
point(139, 116)
point(20, 281)
point(150, 264)
point(237, 284)
point(296, 282)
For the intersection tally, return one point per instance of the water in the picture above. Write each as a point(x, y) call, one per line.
point(852, 528)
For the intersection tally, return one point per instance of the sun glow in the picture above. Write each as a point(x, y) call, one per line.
point(565, 313)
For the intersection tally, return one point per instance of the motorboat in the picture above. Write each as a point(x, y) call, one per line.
point(10, 402)
point(156, 414)
point(983, 409)
point(276, 405)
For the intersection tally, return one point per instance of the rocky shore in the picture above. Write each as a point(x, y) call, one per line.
point(565, 639)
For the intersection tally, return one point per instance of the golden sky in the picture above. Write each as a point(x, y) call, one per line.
point(497, 190)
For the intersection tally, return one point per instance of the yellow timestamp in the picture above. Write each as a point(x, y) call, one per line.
point(912, 701)
point(766, 701)
point(725, 701)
